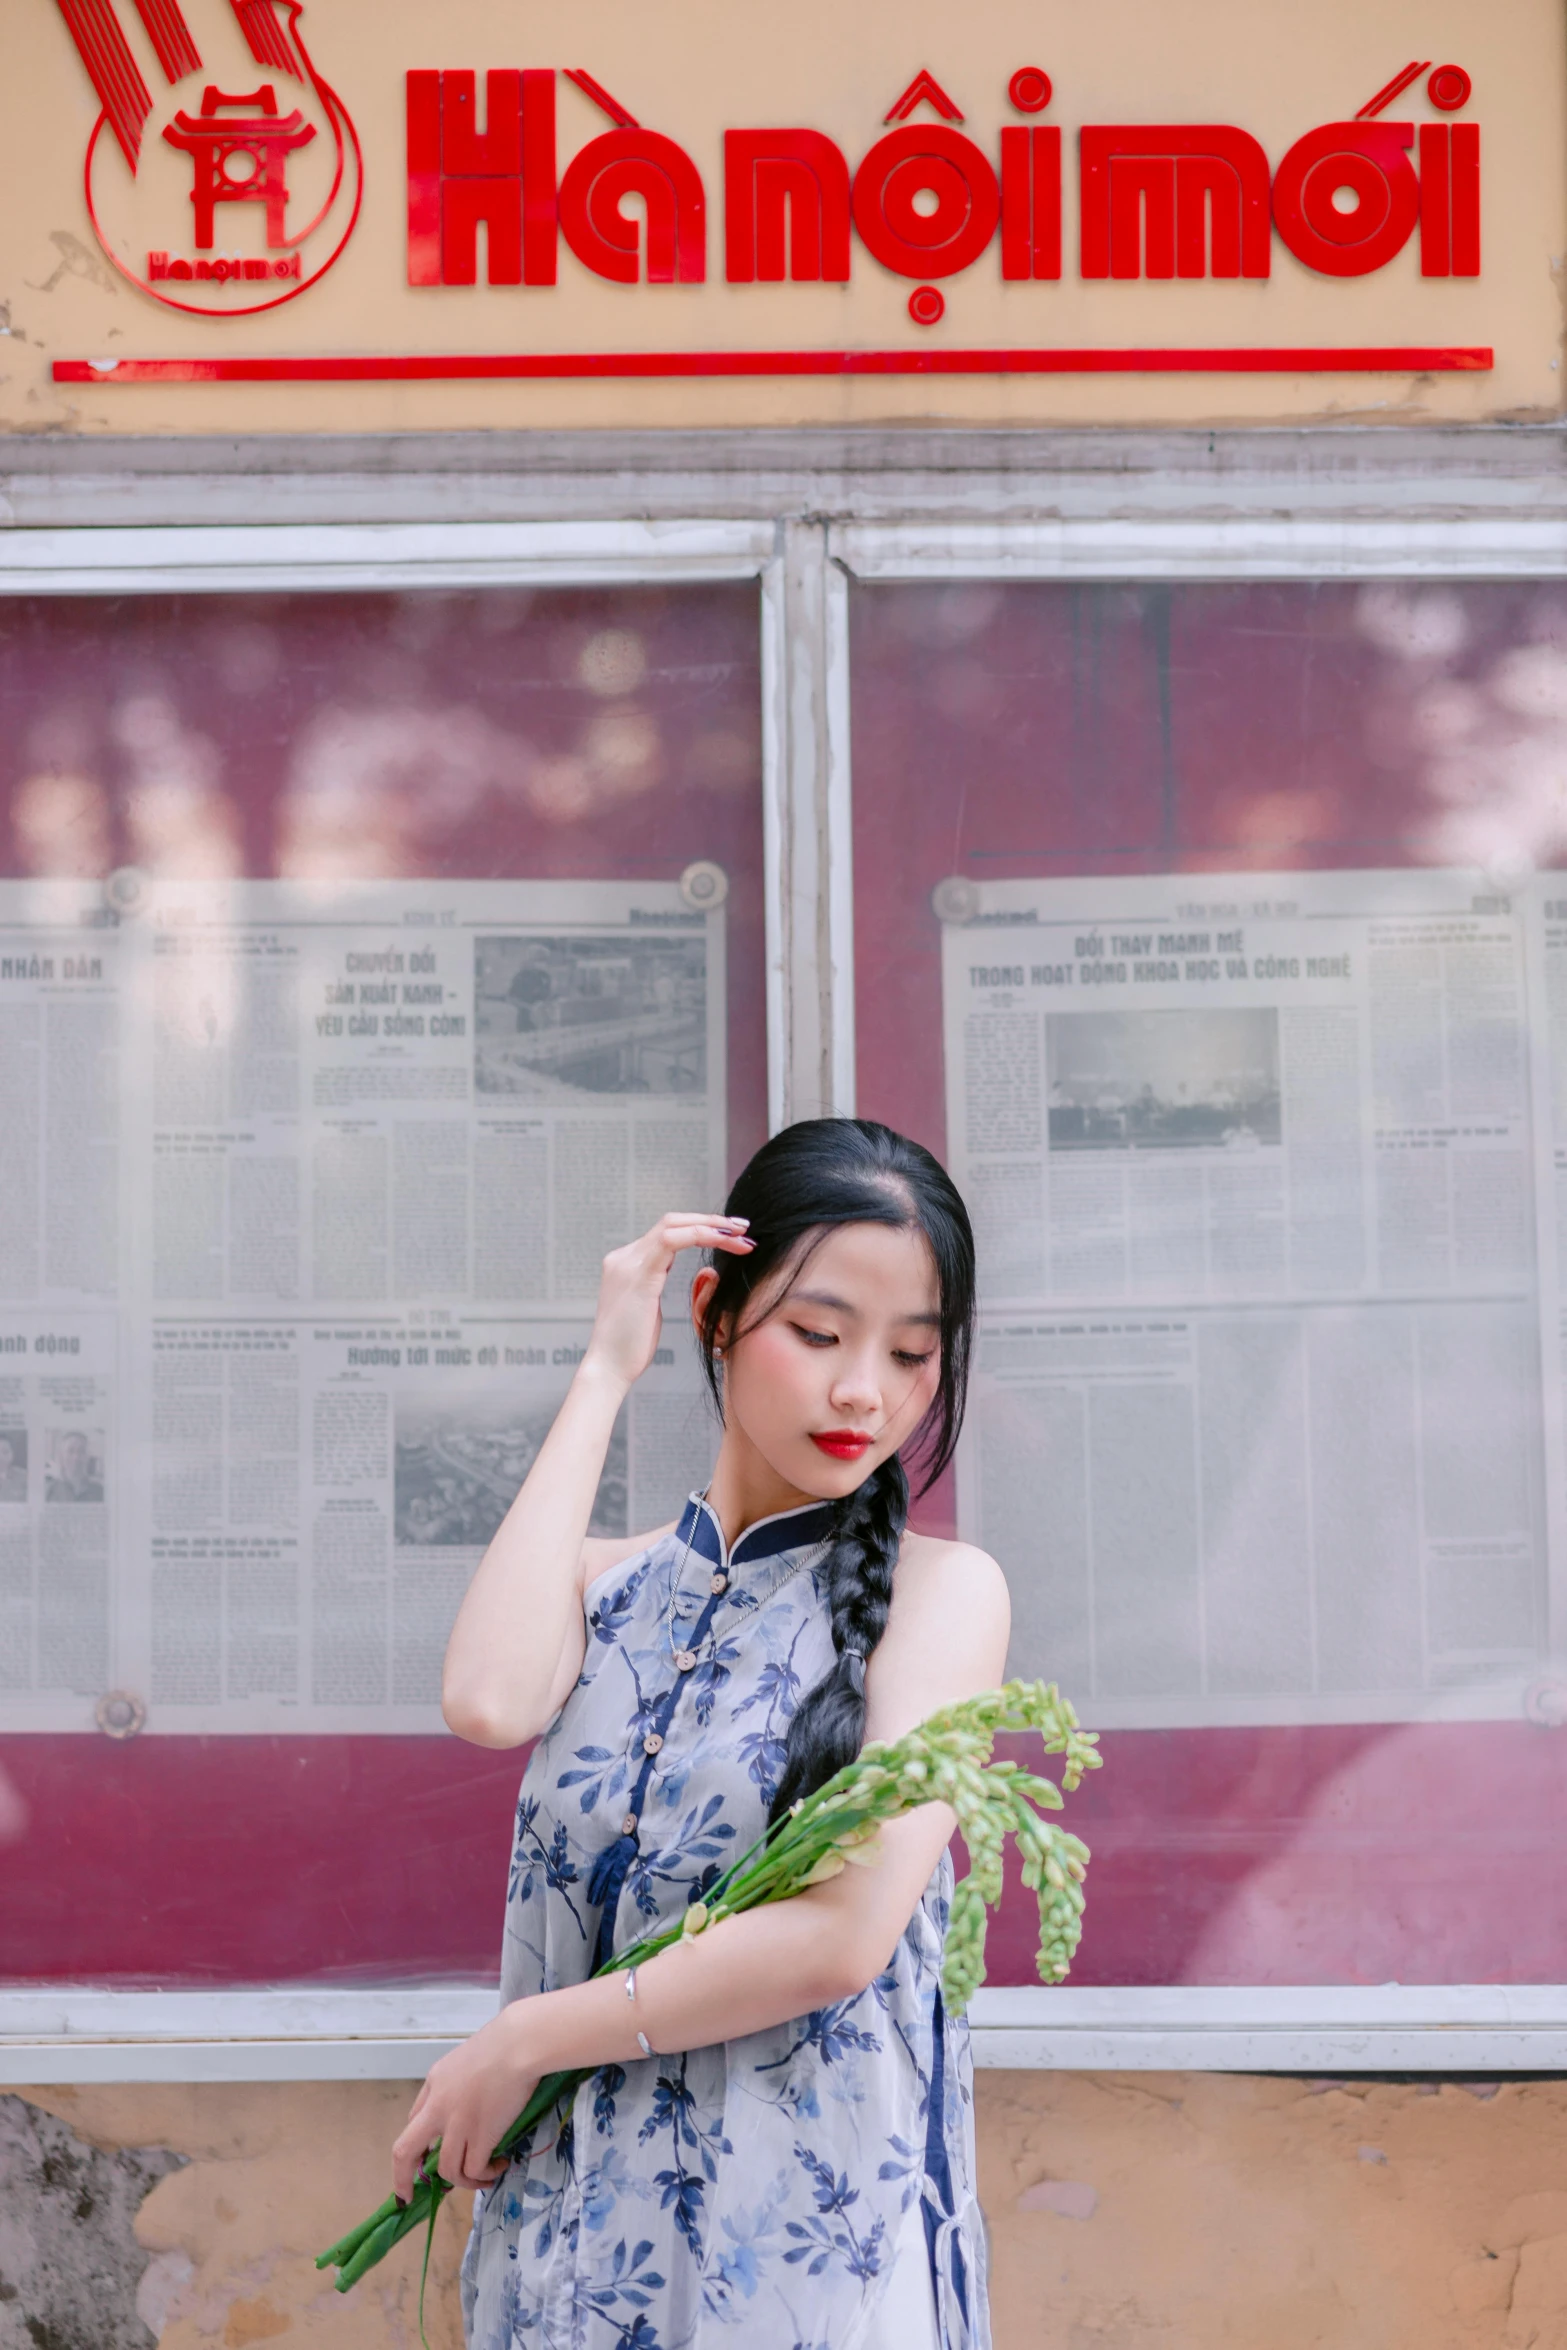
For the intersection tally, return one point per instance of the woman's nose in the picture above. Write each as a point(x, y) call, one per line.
point(856, 1386)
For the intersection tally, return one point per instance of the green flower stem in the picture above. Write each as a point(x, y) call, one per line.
point(944, 1759)
point(350, 2243)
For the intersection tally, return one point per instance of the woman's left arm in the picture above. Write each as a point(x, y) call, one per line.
point(946, 1640)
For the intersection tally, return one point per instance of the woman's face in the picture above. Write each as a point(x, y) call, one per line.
point(844, 1361)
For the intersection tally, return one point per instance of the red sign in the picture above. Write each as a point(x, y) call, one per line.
point(221, 193)
point(212, 192)
point(927, 201)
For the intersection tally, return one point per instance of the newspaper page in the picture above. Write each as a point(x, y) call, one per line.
point(61, 1178)
point(460, 1093)
point(309, 1190)
point(323, 1490)
point(1256, 1427)
point(60, 1514)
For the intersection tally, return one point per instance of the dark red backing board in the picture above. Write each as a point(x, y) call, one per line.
point(1427, 1854)
point(208, 1861)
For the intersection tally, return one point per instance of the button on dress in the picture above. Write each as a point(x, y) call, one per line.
point(769, 2186)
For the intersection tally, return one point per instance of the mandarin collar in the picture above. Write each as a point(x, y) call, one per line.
point(766, 1538)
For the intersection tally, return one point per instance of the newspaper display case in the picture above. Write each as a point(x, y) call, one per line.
point(1221, 898)
point(977, 820)
point(369, 964)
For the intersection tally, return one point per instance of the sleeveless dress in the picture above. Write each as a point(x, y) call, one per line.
point(770, 2188)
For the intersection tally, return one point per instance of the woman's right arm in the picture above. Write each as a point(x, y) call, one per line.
point(518, 1642)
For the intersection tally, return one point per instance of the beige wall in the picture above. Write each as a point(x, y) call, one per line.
point(1182, 2211)
point(690, 67)
point(1232, 2213)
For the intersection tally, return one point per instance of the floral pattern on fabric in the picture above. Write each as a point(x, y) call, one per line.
point(761, 2185)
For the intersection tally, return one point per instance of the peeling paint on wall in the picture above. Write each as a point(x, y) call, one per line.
point(71, 2270)
point(270, 2175)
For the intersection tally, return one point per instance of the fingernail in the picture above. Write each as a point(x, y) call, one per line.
point(739, 1223)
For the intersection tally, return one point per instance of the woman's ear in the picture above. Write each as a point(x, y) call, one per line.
point(702, 1288)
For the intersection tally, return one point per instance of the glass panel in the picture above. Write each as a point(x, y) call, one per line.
point(351, 1004)
point(1232, 908)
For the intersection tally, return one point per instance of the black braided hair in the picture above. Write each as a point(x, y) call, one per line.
point(809, 1179)
point(828, 1728)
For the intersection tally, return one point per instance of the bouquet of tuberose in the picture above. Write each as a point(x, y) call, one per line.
point(947, 1759)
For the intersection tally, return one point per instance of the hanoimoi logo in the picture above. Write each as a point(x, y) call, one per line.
point(223, 174)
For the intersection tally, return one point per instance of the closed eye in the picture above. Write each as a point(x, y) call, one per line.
point(914, 1362)
point(815, 1337)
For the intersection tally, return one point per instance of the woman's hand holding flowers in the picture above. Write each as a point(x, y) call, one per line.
point(468, 2100)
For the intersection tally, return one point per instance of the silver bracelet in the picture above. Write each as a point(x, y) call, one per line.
point(631, 1994)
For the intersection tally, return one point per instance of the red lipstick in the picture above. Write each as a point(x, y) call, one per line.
point(842, 1444)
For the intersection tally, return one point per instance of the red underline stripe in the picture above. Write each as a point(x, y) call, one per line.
point(1392, 359)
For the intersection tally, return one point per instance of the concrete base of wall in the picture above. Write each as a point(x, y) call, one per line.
point(1180, 2211)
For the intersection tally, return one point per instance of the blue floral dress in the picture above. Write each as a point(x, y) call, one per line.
point(760, 2187)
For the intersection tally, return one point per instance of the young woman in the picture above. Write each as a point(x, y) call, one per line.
point(779, 2135)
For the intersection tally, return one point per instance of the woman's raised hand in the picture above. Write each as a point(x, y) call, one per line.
point(630, 1317)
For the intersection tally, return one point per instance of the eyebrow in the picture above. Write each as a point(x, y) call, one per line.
point(841, 1305)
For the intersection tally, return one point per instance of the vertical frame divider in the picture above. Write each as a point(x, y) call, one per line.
point(837, 817)
point(775, 829)
point(807, 862)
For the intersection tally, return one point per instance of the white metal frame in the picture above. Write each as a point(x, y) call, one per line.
point(290, 2034)
point(1393, 2027)
point(1459, 545)
point(805, 541)
point(235, 557)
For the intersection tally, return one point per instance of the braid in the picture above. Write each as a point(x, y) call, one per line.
point(828, 1728)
